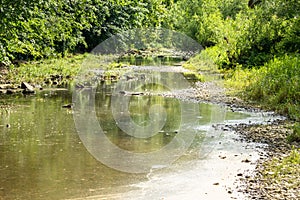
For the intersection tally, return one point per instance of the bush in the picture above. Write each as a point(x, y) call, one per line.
point(239, 34)
point(277, 84)
point(295, 136)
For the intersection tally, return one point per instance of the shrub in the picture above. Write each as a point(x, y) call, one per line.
point(277, 84)
point(295, 136)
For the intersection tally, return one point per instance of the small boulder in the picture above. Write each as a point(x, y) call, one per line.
point(10, 91)
point(27, 88)
point(70, 105)
point(6, 86)
point(25, 85)
point(3, 91)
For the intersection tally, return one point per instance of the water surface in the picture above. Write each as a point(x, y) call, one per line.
point(42, 156)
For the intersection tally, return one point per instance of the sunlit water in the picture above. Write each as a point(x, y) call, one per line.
point(42, 156)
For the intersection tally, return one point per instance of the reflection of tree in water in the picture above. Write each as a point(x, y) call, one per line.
point(5, 111)
point(139, 112)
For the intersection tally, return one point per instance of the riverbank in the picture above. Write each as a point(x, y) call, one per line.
point(277, 170)
point(32, 76)
point(277, 173)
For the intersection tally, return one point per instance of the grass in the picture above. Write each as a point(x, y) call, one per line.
point(284, 171)
point(295, 136)
point(52, 71)
point(193, 76)
point(201, 67)
point(276, 85)
point(237, 80)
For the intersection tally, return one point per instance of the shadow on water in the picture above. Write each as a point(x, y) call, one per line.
point(151, 60)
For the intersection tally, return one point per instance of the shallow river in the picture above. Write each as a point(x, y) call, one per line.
point(43, 157)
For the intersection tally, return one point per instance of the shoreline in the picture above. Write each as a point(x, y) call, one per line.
point(271, 137)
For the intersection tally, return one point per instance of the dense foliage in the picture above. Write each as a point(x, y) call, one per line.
point(236, 32)
point(258, 40)
point(275, 85)
point(35, 29)
point(239, 34)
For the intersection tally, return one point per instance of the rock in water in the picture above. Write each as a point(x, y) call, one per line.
point(67, 105)
point(27, 88)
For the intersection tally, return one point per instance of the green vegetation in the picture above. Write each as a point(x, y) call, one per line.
point(276, 85)
point(201, 62)
point(278, 171)
point(193, 76)
point(36, 29)
point(52, 71)
point(255, 46)
point(295, 136)
point(235, 34)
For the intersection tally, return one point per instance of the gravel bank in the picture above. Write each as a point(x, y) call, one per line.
point(265, 183)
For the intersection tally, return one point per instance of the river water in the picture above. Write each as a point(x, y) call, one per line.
point(43, 157)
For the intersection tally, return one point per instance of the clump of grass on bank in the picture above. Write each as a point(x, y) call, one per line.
point(60, 71)
point(276, 85)
point(278, 171)
point(238, 79)
point(295, 136)
point(193, 76)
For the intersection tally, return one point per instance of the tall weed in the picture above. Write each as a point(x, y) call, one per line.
point(277, 85)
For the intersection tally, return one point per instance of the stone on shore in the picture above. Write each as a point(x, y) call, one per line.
point(27, 88)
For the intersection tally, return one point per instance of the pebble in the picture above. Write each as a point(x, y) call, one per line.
point(246, 161)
